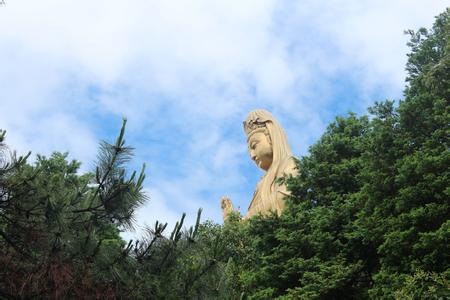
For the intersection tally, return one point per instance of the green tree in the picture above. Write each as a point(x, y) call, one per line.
point(369, 209)
point(415, 210)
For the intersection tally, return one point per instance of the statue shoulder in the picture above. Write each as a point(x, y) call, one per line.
point(289, 167)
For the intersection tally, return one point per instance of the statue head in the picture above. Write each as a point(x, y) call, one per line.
point(266, 140)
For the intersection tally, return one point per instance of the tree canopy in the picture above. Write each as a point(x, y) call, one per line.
point(368, 214)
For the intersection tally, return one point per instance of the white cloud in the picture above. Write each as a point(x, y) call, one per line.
point(185, 73)
point(368, 36)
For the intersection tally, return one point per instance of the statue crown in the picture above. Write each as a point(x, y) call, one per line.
point(251, 125)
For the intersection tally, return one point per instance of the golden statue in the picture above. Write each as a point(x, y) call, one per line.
point(268, 147)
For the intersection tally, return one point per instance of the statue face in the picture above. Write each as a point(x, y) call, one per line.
point(260, 150)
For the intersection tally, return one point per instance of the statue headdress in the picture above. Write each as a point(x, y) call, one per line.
point(253, 125)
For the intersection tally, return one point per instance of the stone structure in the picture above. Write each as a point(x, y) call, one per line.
point(268, 147)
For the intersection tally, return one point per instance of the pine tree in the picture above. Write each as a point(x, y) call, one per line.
point(60, 230)
point(59, 234)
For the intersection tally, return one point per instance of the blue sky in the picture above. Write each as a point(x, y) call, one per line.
point(186, 73)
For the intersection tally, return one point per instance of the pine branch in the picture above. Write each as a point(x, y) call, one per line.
point(157, 233)
point(12, 244)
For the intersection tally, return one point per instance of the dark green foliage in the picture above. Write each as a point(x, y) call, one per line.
point(190, 264)
point(60, 230)
point(368, 215)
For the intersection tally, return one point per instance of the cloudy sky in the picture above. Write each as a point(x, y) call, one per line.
point(186, 73)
